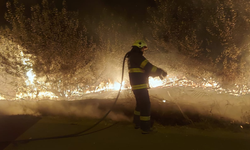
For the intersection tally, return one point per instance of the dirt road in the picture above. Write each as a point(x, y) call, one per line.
point(118, 137)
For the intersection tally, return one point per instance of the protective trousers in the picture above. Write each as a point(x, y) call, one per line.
point(142, 109)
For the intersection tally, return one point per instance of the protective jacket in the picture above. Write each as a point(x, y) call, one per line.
point(140, 69)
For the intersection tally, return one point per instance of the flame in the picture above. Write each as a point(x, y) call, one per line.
point(109, 86)
point(35, 95)
point(115, 86)
point(1, 98)
point(30, 78)
point(30, 74)
point(47, 94)
point(155, 82)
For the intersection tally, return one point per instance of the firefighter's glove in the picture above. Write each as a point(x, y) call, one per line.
point(163, 74)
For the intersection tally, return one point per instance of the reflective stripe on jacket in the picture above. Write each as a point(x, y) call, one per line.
point(140, 69)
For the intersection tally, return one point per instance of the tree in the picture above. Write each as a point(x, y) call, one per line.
point(211, 33)
point(55, 40)
point(12, 69)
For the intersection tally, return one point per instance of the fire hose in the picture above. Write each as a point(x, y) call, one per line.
point(81, 133)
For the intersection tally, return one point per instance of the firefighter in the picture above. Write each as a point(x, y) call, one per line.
point(139, 71)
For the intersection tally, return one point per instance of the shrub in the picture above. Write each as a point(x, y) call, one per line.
point(213, 34)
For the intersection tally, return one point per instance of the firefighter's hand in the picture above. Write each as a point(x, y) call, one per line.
point(163, 74)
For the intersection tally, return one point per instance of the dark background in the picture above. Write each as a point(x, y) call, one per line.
point(135, 10)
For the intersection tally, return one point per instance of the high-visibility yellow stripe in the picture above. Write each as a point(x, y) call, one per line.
point(144, 63)
point(137, 113)
point(136, 70)
point(153, 69)
point(145, 118)
point(140, 86)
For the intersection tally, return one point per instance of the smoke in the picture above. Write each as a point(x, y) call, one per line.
point(77, 109)
point(170, 106)
point(200, 104)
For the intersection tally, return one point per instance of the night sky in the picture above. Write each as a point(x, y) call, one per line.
point(130, 10)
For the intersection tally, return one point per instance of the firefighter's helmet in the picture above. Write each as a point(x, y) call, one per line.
point(140, 44)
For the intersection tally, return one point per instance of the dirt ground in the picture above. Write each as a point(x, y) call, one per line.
point(186, 118)
point(120, 136)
